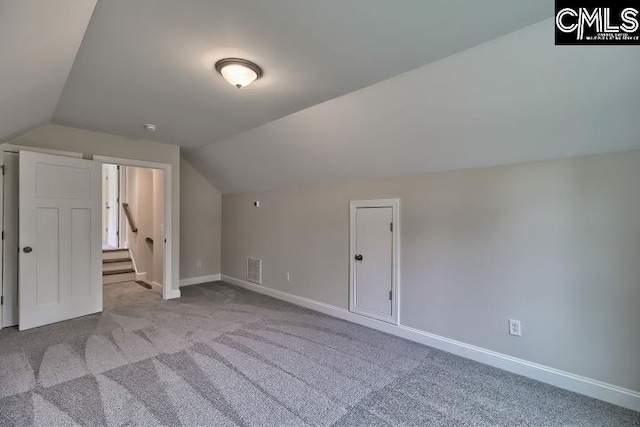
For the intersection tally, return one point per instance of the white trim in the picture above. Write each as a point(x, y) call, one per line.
point(202, 279)
point(14, 148)
point(394, 204)
point(597, 389)
point(172, 294)
point(141, 276)
point(154, 283)
point(135, 267)
point(2, 243)
point(167, 290)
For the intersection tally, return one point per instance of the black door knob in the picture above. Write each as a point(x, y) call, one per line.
point(358, 257)
point(27, 249)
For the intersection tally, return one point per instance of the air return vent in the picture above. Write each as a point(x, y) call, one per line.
point(254, 270)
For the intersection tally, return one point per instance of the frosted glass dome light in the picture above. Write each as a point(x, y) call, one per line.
point(239, 72)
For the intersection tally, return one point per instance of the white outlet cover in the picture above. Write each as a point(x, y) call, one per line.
point(515, 328)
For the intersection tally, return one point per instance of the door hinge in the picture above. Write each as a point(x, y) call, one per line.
point(2, 234)
point(2, 167)
point(391, 295)
point(2, 300)
point(391, 227)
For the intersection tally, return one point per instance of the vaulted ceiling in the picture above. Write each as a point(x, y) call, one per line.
point(352, 88)
point(39, 40)
point(152, 60)
point(515, 99)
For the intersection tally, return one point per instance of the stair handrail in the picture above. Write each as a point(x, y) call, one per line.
point(127, 213)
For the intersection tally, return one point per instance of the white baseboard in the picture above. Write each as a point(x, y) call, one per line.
point(154, 283)
point(202, 279)
point(141, 276)
point(593, 388)
point(173, 293)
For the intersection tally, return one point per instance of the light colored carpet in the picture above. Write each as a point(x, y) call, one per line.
point(225, 356)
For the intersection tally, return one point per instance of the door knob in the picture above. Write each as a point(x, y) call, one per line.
point(27, 249)
point(358, 257)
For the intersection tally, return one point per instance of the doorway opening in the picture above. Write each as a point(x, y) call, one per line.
point(53, 214)
point(374, 283)
point(133, 231)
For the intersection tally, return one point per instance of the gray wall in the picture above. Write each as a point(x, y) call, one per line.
point(140, 199)
point(555, 244)
point(200, 221)
point(145, 195)
point(157, 183)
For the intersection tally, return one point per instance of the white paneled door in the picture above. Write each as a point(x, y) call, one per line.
point(59, 239)
point(373, 284)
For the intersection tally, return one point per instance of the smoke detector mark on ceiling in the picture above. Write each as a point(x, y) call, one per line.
point(150, 127)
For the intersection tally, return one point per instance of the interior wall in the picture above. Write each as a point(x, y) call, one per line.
point(554, 244)
point(200, 224)
point(97, 143)
point(157, 184)
point(140, 197)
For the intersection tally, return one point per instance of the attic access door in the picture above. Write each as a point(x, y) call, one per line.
point(374, 251)
point(59, 239)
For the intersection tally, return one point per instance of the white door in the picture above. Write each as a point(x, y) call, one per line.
point(373, 283)
point(10, 241)
point(59, 239)
point(111, 204)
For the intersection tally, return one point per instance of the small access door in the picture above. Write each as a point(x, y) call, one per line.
point(59, 239)
point(374, 259)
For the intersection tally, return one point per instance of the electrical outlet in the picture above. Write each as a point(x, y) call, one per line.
point(288, 277)
point(199, 263)
point(515, 328)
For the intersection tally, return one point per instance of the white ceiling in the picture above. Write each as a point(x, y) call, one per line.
point(151, 60)
point(515, 99)
point(39, 40)
point(333, 104)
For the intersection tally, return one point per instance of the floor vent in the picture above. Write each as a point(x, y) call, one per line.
point(254, 270)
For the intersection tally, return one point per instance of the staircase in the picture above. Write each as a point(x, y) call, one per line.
point(117, 266)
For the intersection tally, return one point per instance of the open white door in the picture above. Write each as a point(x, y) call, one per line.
point(59, 239)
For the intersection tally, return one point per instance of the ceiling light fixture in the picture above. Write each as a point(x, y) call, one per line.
point(150, 127)
point(239, 72)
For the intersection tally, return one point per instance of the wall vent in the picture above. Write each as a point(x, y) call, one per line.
point(254, 270)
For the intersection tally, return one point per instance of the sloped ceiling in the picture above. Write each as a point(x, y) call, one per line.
point(515, 99)
point(39, 40)
point(333, 104)
point(152, 60)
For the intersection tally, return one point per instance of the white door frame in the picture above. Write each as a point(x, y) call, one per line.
point(15, 149)
point(107, 233)
point(167, 283)
point(394, 204)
